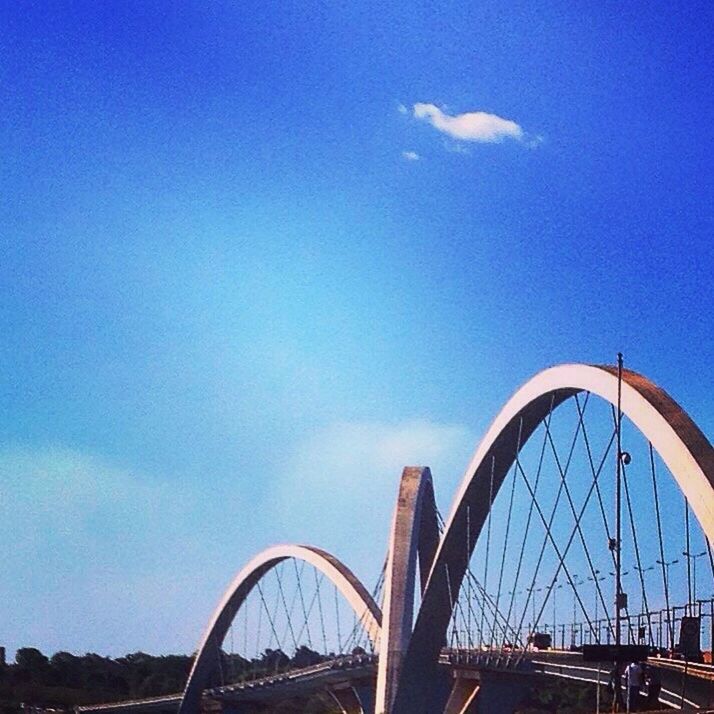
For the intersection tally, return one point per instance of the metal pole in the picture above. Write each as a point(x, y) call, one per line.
point(533, 607)
point(694, 573)
point(618, 533)
point(694, 576)
point(618, 505)
point(670, 631)
point(687, 553)
point(554, 594)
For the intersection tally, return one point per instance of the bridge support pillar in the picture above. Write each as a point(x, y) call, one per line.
point(414, 534)
point(365, 692)
point(500, 692)
point(464, 693)
point(357, 699)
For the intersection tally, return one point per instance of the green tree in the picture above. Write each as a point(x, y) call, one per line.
point(32, 663)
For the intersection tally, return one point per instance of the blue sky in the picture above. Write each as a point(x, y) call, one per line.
point(256, 257)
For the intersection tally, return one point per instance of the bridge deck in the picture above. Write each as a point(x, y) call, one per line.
point(683, 683)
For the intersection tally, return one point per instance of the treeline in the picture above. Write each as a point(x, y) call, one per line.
point(65, 680)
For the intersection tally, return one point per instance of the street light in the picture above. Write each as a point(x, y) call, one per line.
point(693, 557)
point(514, 599)
point(595, 580)
point(555, 588)
point(642, 572)
point(574, 584)
point(533, 605)
point(667, 565)
point(513, 607)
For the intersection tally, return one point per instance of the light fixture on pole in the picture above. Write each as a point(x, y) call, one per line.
point(693, 557)
point(595, 580)
point(642, 572)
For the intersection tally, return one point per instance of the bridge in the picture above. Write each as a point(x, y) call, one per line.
point(580, 539)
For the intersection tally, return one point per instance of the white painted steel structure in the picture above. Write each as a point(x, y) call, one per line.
point(410, 650)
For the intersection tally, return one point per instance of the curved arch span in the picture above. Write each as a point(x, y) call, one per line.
point(679, 442)
point(339, 574)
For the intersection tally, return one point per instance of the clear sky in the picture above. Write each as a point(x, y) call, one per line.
point(255, 257)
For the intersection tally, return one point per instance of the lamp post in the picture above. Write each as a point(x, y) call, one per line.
point(514, 596)
point(667, 564)
point(533, 604)
point(574, 583)
point(642, 572)
point(693, 557)
point(514, 607)
point(555, 588)
point(531, 624)
point(618, 602)
point(595, 580)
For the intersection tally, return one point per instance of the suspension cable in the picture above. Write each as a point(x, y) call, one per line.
point(270, 619)
point(688, 553)
point(231, 663)
point(488, 531)
point(617, 422)
point(570, 542)
point(553, 543)
point(319, 607)
point(310, 608)
point(257, 634)
point(588, 449)
point(554, 509)
point(298, 577)
point(245, 628)
point(468, 557)
point(639, 569)
point(451, 604)
point(337, 622)
point(662, 561)
point(354, 638)
point(488, 599)
point(528, 518)
point(508, 527)
point(563, 475)
point(219, 658)
point(288, 614)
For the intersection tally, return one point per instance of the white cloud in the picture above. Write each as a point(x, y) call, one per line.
point(469, 126)
point(410, 155)
point(402, 109)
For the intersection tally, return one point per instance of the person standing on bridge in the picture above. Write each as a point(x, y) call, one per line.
point(633, 677)
point(654, 685)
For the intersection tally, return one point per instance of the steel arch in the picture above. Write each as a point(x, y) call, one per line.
point(681, 444)
point(346, 582)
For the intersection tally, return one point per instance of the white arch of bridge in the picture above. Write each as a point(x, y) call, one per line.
point(680, 443)
point(359, 599)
